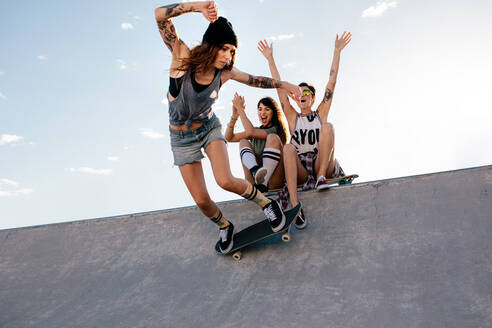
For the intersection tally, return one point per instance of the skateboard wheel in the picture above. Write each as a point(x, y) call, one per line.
point(342, 182)
point(286, 237)
point(237, 255)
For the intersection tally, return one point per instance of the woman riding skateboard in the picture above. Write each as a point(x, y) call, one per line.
point(261, 147)
point(196, 76)
point(309, 158)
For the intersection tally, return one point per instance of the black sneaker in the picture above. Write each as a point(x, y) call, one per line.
point(225, 238)
point(301, 221)
point(261, 187)
point(274, 213)
point(253, 171)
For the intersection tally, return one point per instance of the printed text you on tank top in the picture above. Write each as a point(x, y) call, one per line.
point(305, 136)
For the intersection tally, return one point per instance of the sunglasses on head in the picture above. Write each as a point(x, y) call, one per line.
point(306, 92)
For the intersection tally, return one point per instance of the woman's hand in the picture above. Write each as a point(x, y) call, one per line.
point(343, 41)
point(210, 11)
point(238, 104)
point(294, 91)
point(265, 49)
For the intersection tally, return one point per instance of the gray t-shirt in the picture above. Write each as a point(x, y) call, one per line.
point(191, 106)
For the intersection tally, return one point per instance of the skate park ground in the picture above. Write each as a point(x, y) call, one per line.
point(403, 252)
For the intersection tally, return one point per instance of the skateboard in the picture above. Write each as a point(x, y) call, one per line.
point(260, 231)
point(342, 180)
point(347, 179)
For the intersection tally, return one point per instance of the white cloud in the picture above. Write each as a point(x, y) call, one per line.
point(165, 101)
point(2, 96)
point(379, 9)
point(137, 18)
point(126, 26)
point(113, 158)
point(90, 170)
point(8, 188)
point(9, 138)
point(290, 65)
point(122, 64)
point(8, 183)
point(42, 57)
point(15, 192)
point(282, 37)
point(2, 73)
point(151, 134)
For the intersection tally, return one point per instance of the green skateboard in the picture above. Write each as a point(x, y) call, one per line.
point(260, 231)
point(342, 180)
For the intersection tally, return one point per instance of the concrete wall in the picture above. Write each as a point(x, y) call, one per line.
point(408, 252)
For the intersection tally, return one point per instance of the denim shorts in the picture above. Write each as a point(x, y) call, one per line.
point(187, 145)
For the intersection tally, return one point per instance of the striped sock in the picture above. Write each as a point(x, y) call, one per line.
point(248, 157)
point(219, 219)
point(253, 194)
point(271, 157)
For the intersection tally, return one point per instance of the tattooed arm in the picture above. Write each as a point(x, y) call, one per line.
point(168, 32)
point(324, 107)
point(262, 82)
point(289, 111)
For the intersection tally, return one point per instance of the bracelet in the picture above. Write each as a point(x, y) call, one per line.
point(233, 119)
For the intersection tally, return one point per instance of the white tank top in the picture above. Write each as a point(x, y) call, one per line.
point(306, 133)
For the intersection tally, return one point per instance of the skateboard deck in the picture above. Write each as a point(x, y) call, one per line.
point(260, 231)
point(347, 179)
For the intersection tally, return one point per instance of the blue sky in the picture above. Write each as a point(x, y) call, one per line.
point(84, 130)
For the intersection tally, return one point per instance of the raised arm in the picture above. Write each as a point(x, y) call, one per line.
point(239, 110)
point(168, 32)
point(289, 111)
point(340, 43)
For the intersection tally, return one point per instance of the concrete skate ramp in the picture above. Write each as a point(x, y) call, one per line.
point(407, 252)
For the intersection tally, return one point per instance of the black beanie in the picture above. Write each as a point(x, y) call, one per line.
point(220, 32)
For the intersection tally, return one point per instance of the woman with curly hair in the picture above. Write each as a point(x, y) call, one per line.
point(261, 147)
point(196, 76)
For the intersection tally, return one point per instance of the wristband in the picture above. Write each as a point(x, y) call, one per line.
point(233, 119)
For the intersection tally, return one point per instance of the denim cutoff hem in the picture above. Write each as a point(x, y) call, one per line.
point(187, 145)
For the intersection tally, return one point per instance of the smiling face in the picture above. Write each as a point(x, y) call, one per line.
point(307, 98)
point(265, 115)
point(225, 56)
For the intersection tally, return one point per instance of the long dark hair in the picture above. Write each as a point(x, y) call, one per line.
point(277, 118)
point(203, 56)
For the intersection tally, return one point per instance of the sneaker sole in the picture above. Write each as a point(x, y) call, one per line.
point(281, 225)
point(260, 175)
point(301, 227)
point(228, 249)
point(322, 187)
